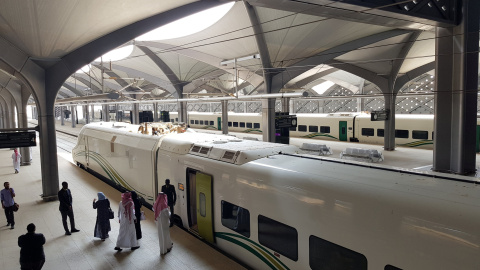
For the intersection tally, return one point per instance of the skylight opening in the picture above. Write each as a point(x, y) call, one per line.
point(188, 25)
point(116, 54)
point(321, 88)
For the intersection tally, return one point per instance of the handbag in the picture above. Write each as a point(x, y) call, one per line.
point(15, 207)
point(142, 215)
point(111, 215)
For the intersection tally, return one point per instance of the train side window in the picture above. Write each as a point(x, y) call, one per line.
point(236, 218)
point(176, 120)
point(206, 122)
point(391, 267)
point(327, 255)
point(229, 124)
point(249, 125)
point(380, 132)
point(242, 124)
point(433, 133)
point(419, 134)
point(293, 128)
point(256, 125)
point(324, 129)
point(312, 128)
point(196, 122)
point(278, 237)
point(368, 132)
point(401, 133)
point(212, 123)
point(203, 204)
point(302, 128)
point(235, 124)
point(191, 122)
point(201, 122)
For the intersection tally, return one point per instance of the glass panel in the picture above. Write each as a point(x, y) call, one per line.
point(325, 129)
point(236, 218)
point(249, 125)
point(203, 202)
point(302, 128)
point(420, 135)
point(368, 132)
point(235, 124)
point(324, 255)
point(380, 132)
point(401, 133)
point(256, 125)
point(242, 124)
point(312, 128)
point(278, 237)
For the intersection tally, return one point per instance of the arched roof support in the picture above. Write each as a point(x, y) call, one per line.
point(398, 62)
point(324, 57)
point(368, 75)
point(252, 78)
point(261, 45)
point(164, 85)
point(412, 74)
point(174, 80)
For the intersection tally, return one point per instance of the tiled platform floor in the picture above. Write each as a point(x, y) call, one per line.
point(81, 250)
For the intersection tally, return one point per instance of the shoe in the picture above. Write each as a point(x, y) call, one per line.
point(117, 248)
point(169, 249)
point(103, 239)
point(68, 233)
point(11, 228)
point(8, 224)
point(133, 248)
point(75, 230)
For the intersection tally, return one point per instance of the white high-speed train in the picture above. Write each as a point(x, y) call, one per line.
point(274, 209)
point(411, 130)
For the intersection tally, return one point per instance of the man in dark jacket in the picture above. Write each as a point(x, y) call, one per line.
point(171, 197)
point(31, 249)
point(65, 198)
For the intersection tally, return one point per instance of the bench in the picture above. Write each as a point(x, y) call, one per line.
point(370, 154)
point(316, 149)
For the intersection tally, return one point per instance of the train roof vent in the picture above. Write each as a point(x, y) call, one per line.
point(229, 156)
point(195, 149)
point(204, 150)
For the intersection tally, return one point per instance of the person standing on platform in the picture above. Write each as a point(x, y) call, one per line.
point(169, 190)
point(162, 218)
point(138, 213)
point(16, 160)
point(7, 195)
point(126, 216)
point(65, 198)
point(31, 249)
point(102, 226)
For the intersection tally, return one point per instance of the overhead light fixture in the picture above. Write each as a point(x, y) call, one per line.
point(226, 62)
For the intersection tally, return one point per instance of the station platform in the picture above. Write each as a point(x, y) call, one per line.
point(81, 250)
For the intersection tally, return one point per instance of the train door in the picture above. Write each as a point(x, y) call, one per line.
point(200, 214)
point(219, 123)
point(342, 131)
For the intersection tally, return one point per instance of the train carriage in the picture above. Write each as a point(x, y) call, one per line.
point(274, 209)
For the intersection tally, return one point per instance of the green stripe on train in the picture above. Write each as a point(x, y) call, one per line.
point(260, 252)
point(416, 143)
point(313, 135)
point(111, 172)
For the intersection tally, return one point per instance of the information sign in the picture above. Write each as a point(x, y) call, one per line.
point(18, 139)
